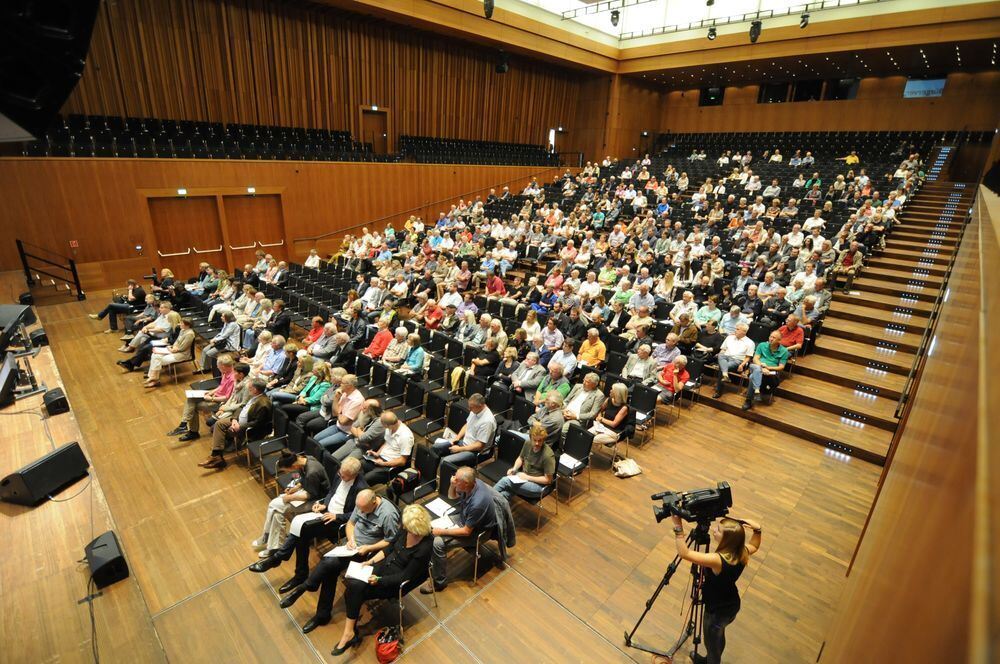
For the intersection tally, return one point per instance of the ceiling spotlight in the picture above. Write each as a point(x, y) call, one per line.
point(711, 33)
point(755, 28)
point(615, 15)
point(488, 8)
point(804, 21)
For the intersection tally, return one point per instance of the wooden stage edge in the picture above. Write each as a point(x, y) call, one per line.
point(569, 594)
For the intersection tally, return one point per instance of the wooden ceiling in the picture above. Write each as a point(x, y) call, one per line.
point(922, 60)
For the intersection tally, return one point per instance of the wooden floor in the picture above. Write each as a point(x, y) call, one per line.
point(568, 595)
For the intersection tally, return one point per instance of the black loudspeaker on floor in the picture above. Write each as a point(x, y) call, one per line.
point(106, 561)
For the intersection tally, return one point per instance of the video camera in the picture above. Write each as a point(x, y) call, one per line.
point(702, 505)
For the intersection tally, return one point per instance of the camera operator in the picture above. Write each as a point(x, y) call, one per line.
point(723, 567)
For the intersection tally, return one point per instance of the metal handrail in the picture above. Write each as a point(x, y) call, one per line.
point(179, 253)
point(206, 251)
point(370, 222)
point(927, 336)
point(273, 244)
point(69, 267)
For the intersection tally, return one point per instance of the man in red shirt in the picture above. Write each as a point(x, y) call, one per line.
point(433, 315)
point(380, 341)
point(672, 379)
point(495, 286)
point(792, 334)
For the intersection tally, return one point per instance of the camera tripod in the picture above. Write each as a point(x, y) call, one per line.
point(697, 540)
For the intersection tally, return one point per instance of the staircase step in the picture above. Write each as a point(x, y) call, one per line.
point(850, 374)
point(921, 292)
point(840, 400)
point(882, 264)
point(915, 308)
point(912, 244)
point(903, 276)
point(881, 353)
point(930, 257)
point(871, 316)
point(873, 332)
point(923, 240)
point(929, 232)
point(853, 437)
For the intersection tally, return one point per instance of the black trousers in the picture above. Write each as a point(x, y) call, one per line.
point(376, 475)
point(113, 310)
point(299, 546)
point(324, 577)
point(357, 592)
point(140, 356)
point(716, 620)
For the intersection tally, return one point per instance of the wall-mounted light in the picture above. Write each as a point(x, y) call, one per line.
point(374, 107)
point(560, 129)
point(138, 249)
point(251, 190)
point(182, 192)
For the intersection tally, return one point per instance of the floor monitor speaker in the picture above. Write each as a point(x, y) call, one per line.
point(43, 477)
point(104, 556)
point(56, 402)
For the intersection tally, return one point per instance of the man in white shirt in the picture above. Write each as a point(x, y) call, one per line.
point(451, 298)
point(815, 221)
point(796, 237)
point(475, 436)
point(589, 289)
point(393, 455)
point(736, 353)
point(372, 299)
point(685, 305)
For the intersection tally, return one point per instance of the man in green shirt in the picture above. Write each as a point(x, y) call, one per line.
point(554, 381)
point(533, 470)
point(769, 359)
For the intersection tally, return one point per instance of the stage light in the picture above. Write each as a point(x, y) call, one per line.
point(615, 15)
point(709, 3)
point(755, 29)
point(488, 8)
point(804, 21)
point(711, 33)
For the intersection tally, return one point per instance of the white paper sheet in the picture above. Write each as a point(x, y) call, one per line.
point(439, 507)
point(195, 394)
point(359, 571)
point(300, 520)
point(569, 462)
point(341, 552)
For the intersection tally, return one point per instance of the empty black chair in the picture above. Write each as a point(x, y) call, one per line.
point(575, 458)
point(508, 449)
point(434, 417)
point(426, 464)
point(377, 386)
point(395, 390)
point(413, 404)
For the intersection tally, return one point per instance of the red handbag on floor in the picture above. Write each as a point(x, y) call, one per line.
point(387, 648)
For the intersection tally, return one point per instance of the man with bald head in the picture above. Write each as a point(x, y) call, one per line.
point(371, 528)
point(474, 515)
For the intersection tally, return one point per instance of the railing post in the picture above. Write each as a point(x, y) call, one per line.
point(80, 295)
point(24, 264)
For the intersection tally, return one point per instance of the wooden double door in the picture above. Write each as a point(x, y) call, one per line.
point(225, 231)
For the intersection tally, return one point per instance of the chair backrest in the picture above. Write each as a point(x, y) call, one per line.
point(469, 353)
point(445, 472)
point(425, 334)
point(415, 393)
point(435, 407)
point(475, 385)
point(455, 349)
point(426, 462)
point(396, 386)
point(457, 415)
point(615, 363)
point(437, 370)
point(498, 399)
point(578, 444)
point(644, 399)
point(695, 367)
point(364, 366)
point(380, 374)
point(437, 343)
point(509, 447)
point(616, 344)
point(330, 465)
point(759, 332)
point(523, 409)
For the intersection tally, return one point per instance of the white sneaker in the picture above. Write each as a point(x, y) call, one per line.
point(258, 545)
point(265, 553)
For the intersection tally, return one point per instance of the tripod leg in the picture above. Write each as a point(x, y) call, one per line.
point(671, 568)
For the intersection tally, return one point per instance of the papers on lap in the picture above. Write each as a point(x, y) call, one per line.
point(301, 520)
point(443, 522)
point(341, 552)
point(514, 479)
point(195, 394)
point(439, 507)
point(359, 571)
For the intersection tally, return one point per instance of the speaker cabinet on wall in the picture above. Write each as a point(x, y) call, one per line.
point(43, 48)
point(43, 477)
point(106, 561)
point(55, 402)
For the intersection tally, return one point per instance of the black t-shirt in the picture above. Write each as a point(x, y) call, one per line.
point(713, 340)
point(720, 589)
point(492, 358)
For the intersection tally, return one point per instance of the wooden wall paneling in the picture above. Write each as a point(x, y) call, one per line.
point(251, 220)
point(904, 601)
point(183, 224)
point(101, 203)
